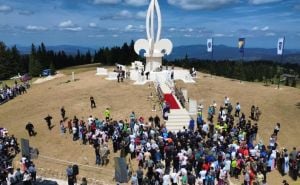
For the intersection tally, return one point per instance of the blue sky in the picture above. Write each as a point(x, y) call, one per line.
point(98, 23)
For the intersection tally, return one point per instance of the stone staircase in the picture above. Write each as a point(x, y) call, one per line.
point(178, 118)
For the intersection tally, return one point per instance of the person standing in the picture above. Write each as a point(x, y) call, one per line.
point(30, 128)
point(107, 114)
point(48, 120)
point(26, 178)
point(93, 103)
point(140, 175)
point(62, 127)
point(32, 172)
point(70, 175)
point(252, 112)
point(237, 110)
point(63, 112)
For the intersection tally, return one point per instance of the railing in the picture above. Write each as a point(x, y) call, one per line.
point(180, 97)
point(160, 95)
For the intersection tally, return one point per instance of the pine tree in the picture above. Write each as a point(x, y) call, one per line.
point(52, 68)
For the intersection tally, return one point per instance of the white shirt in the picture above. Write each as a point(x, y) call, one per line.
point(202, 174)
point(90, 120)
point(205, 128)
point(174, 177)
point(227, 165)
point(166, 179)
point(131, 147)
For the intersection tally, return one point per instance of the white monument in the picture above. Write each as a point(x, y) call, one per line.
point(101, 71)
point(155, 47)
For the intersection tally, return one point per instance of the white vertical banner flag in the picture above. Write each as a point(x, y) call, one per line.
point(209, 45)
point(280, 46)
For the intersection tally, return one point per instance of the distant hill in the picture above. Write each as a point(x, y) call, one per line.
point(69, 49)
point(222, 52)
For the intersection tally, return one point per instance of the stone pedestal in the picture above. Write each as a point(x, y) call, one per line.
point(153, 62)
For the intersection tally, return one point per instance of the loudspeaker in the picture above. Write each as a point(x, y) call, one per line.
point(121, 170)
point(25, 149)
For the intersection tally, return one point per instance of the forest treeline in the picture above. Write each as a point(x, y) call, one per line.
point(13, 62)
point(259, 70)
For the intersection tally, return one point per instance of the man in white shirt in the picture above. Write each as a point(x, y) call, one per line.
point(205, 128)
point(237, 109)
point(90, 120)
point(174, 178)
point(166, 179)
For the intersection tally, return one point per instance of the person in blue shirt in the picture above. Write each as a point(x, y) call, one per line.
point(192, 125)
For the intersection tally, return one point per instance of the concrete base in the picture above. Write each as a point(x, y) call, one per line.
point(161, 76)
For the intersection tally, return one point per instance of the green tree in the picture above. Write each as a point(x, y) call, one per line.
point(52, 68)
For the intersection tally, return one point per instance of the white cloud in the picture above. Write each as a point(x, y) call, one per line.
point(200, 4)
point(66, 24)
point(25, 12)
point(129, 27)
point(187, 35)
point(142, 27)
point(69, 26)
point(219, 35)
point(265, 28)
point(190, 29)
point(106, 1)
point(137, 2)
point(5, 9)
point(141, 14)
point(172, 29)
point(139, 28)
point(92, 25)
point(254, 28)
point(270, 34)
point(36, 28)
point(95, 36)
point(259, 2)
point(125, 14)
point(73, 29)
point(115, 35)
point(113, 29)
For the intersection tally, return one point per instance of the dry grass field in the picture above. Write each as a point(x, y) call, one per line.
point(56, 149)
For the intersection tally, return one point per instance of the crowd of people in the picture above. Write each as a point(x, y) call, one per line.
point(9, 148)
point(7, 93)
point(203, 152)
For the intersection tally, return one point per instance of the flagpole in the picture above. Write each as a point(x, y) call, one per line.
point(281, 60)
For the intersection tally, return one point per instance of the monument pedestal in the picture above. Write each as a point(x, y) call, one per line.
point(154, 62)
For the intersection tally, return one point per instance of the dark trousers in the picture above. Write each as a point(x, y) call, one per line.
point(49, 125)
point(70, 180)
point(93, 104)
point(140, 181)
point(31, 132)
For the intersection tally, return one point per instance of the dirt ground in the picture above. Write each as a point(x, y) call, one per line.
point(57, 151)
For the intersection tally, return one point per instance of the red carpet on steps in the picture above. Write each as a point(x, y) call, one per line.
point(171, 100)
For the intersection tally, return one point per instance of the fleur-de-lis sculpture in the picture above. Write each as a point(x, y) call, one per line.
point(154, 46)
